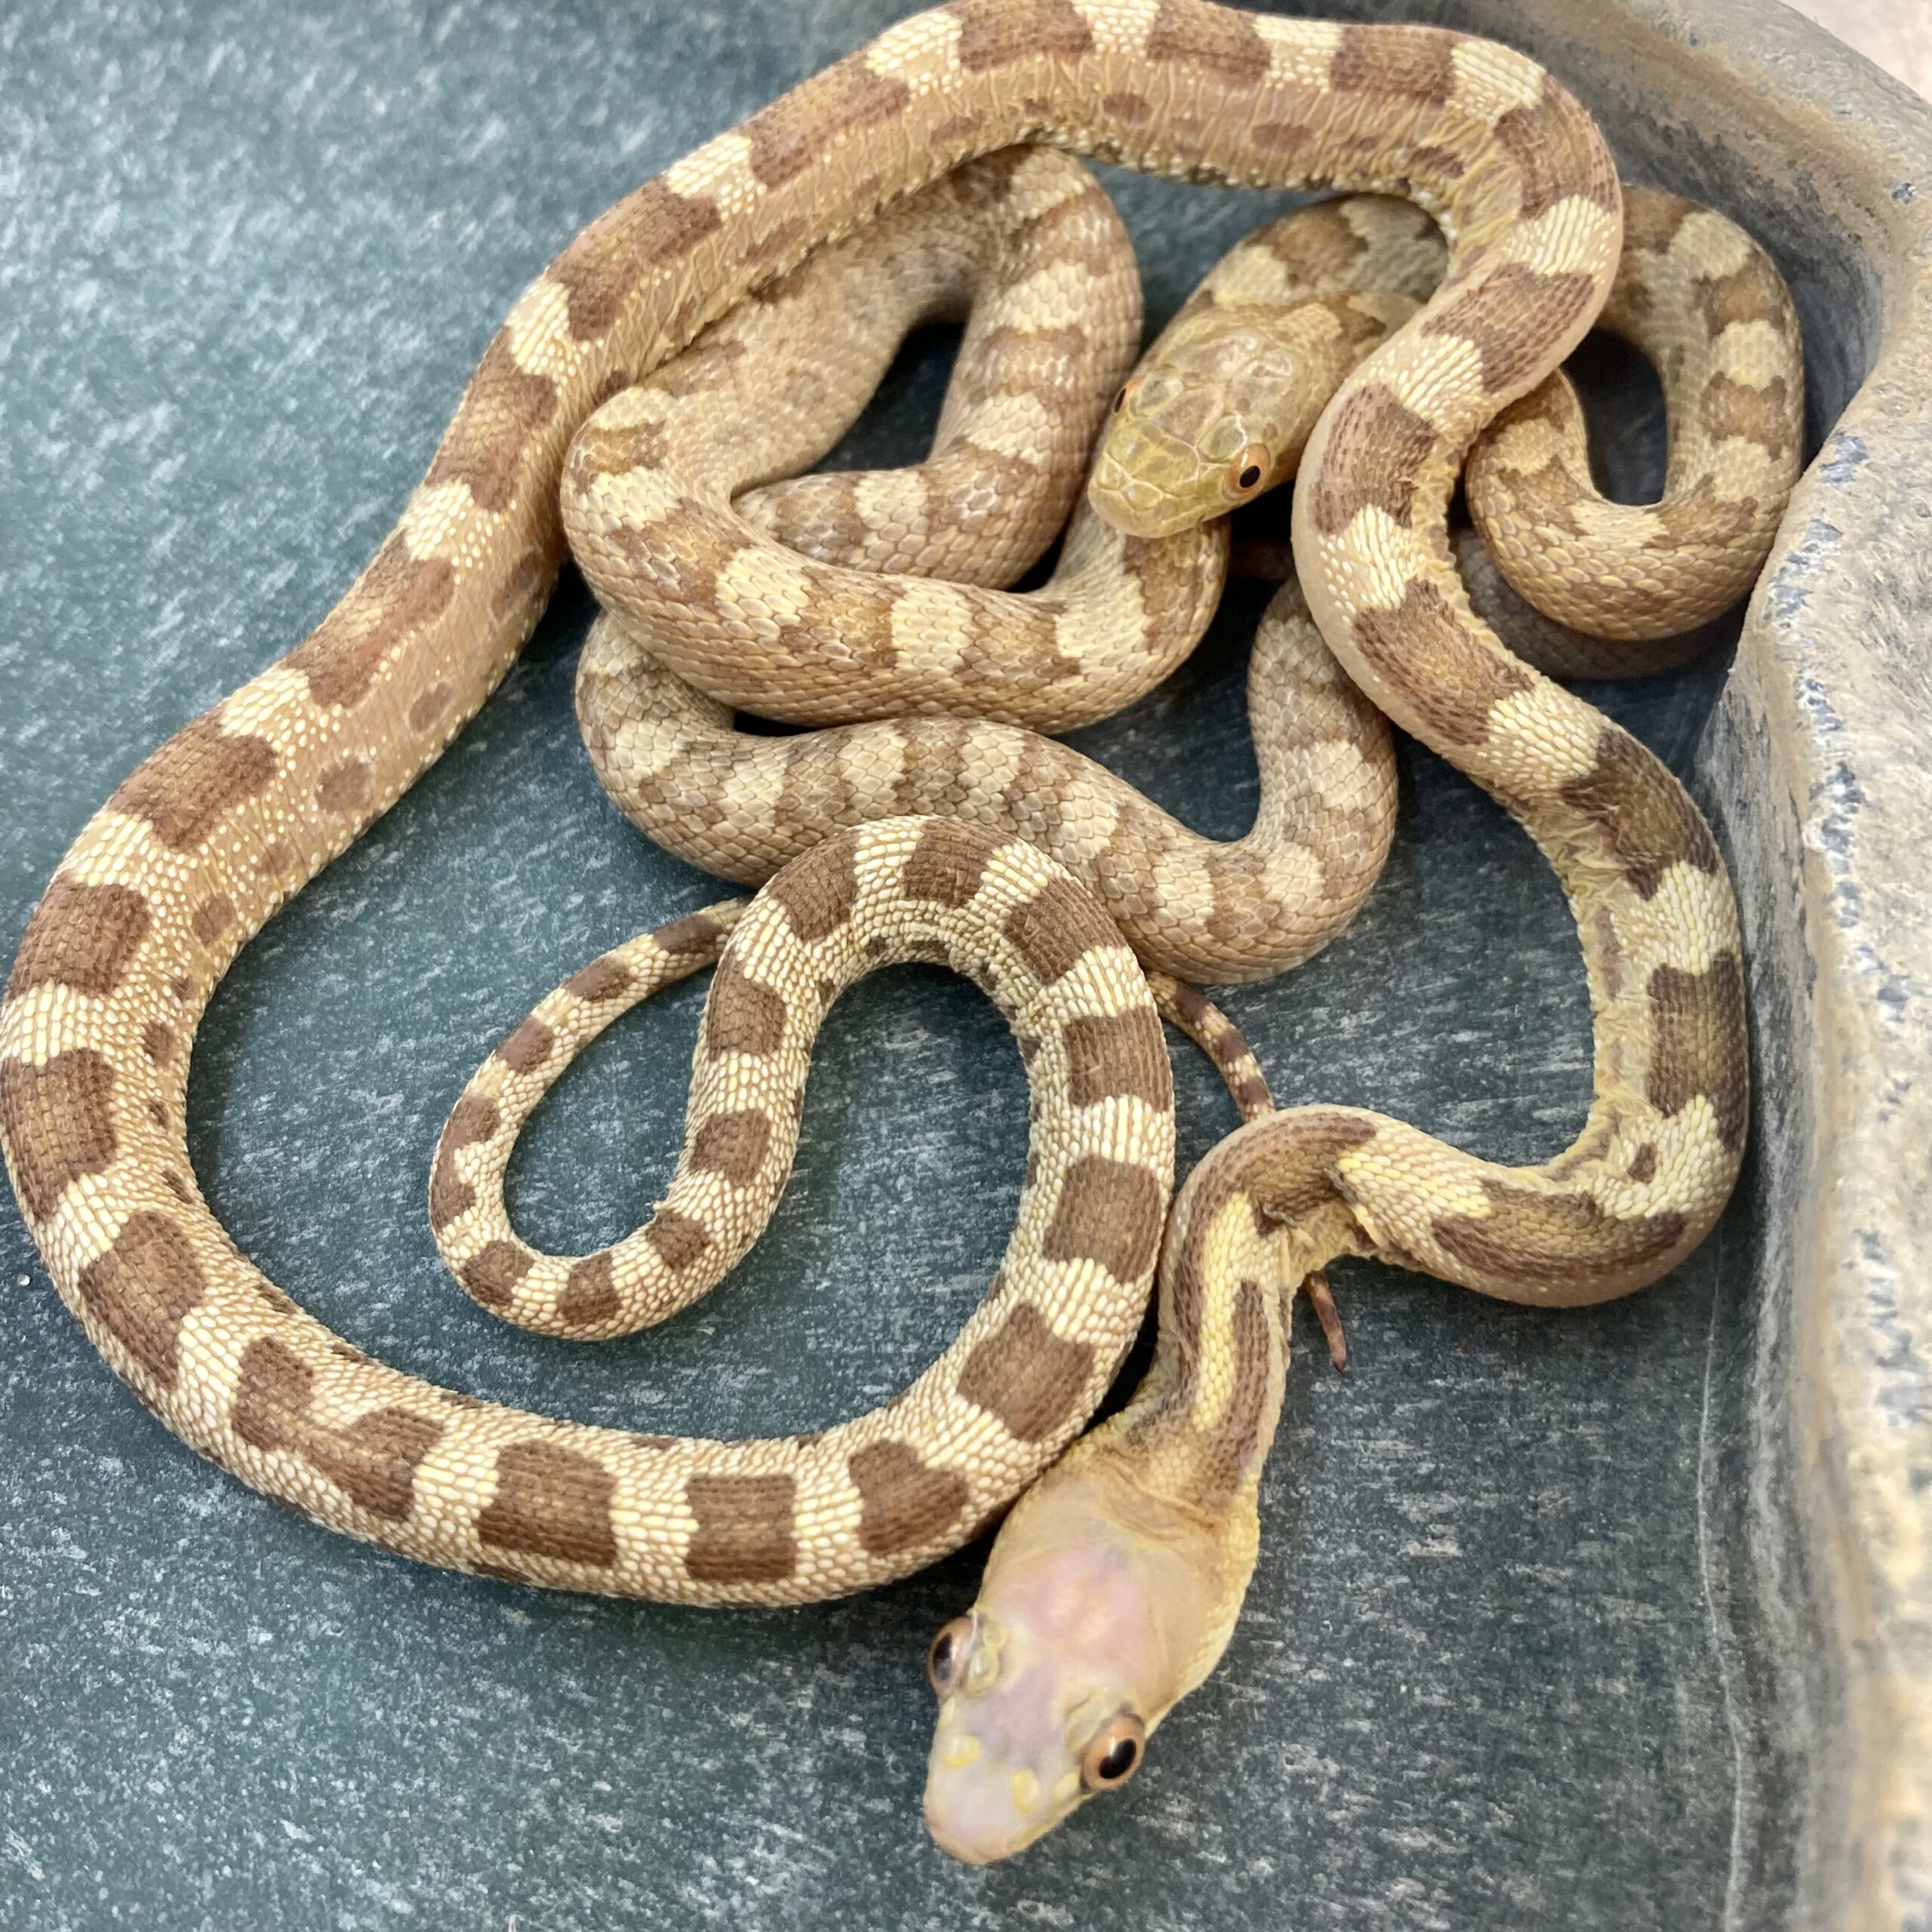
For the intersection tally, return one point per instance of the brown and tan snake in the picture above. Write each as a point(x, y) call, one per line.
point(1114, 1585)
point(1217, 413)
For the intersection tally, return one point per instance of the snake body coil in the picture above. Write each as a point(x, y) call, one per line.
point(241, 807)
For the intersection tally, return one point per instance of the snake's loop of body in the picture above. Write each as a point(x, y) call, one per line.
point(926, 888)
point(215, 830)
point(697, 577)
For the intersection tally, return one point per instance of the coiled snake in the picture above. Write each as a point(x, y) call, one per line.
point(1151, 1519)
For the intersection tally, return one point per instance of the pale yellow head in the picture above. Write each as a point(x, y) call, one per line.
point(1221, 406)
point(1100, 1607)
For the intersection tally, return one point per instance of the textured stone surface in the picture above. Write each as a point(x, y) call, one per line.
point(1511, 1658)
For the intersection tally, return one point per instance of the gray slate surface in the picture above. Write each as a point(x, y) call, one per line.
point(249, 259)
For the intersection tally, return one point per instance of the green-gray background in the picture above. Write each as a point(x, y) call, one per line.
point(250, 255)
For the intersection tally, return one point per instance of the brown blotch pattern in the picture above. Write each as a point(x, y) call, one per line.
point(202, 773)
point(809, 124)
point(604, 978)
point(394, 598)
point(372, 1459)
point(1650, 221)
point(741, 1017)
point(615, 449)
point(589, 1296)
point(1642, 813)
point(733, 1145)
point(1027, 1375)
point(270, 1297)
point(84, 936)
point(678, 1238)
point(1748, 294)
point(1512, 315)
point(744, 1532)
point(1418, 63)
point(818, 892)
point(1697, 1043)
point(490, 1275)
point(1438, 665)
point(1110, 1211)
point(1226, 44)
point(1763, 415)
point(1643, 1163)
point(473, 1118)
point(961, 129)
point(945, 867)
point(504, 406)
point(213, 917)
point(1534, 138)
point(903, 1502)
point(1056, 929)
point(142, 1290)
point(551, 1502)
point(528, 1047)
point(1123, 1055)
point(1555, 1241)
point(1193, 1006)
point(1699, 516)
point(1234, 1446)
point(646, 231)
point(158, 1042)
point(430, 706)
point(697, 932)
point(344, 787)
point(59, 1121)
point(995, 33)
point(1303, 1148)
point(1376, 451)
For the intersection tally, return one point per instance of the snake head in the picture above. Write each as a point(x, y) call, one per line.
point(1089, 1624)
point(1213, 417)
point(1222, 405)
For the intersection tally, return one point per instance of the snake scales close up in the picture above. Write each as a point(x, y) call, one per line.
point(1113, 1586)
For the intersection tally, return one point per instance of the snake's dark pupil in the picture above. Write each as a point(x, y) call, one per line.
point(1251, 476)
point(1119, 1761)
point(943, 1657)
point(1120, 402)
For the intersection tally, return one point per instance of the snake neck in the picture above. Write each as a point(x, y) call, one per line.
point(1114, 1585)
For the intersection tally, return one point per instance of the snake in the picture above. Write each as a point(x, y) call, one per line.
point(1077, 1645)
point(684, 557)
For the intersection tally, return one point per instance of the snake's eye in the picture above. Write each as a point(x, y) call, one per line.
point(1114, 1753)
point(1125, 390)
point(945, 1661)
point(1248, 471)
